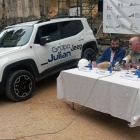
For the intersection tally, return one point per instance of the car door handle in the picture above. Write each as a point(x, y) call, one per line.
point(60, 44)
point(80, 39)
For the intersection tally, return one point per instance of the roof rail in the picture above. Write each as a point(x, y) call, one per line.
point(39, 20)
point(44, 20)
point(67, 17)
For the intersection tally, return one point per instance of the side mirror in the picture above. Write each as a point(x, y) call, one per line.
point(44, 40)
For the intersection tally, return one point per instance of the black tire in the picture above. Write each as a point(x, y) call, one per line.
point(20, 85)
point(89, 54)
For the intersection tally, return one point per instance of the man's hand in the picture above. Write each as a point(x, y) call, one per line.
point(94, 64)
point(126, 66)
point(99, 65)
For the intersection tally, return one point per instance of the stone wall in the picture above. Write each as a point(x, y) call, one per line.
point(14, 11)
point(21, 10)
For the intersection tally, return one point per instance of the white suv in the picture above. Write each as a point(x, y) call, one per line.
point(33, 50)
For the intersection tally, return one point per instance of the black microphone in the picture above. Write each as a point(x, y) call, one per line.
point(139, 61)
point(120, 61)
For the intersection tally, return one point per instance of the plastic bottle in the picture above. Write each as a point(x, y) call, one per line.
point(90, 65)
point(109, 68)
point(138, 71)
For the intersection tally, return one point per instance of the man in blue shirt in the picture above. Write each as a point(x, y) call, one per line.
point(112, 54)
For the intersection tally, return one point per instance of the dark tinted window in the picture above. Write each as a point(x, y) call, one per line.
point(51, 30)
point(71, 28)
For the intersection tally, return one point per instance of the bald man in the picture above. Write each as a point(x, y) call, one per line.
point(134, 45)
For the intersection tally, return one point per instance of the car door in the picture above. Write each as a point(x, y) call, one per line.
point(50, 54)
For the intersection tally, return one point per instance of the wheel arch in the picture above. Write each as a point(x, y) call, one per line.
point(27, 64)
point(91, 45)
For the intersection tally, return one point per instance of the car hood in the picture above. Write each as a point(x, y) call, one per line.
point(4, 51)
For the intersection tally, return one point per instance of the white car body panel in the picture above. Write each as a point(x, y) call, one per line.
point(52, 53)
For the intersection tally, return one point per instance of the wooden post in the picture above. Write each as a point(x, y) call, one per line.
point(3, 13)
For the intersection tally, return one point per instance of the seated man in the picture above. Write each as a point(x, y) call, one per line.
point(112, 54)
point(134, 45)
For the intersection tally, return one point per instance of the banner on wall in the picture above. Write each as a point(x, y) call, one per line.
point(121, 16)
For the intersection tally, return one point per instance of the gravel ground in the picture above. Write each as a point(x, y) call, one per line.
point(43, 117)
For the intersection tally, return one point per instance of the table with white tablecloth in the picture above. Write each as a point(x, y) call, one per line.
point(108, 94)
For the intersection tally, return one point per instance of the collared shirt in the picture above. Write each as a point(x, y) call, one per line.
point(135, 57)
point(112, 56)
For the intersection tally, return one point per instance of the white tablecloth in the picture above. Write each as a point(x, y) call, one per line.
point(113, 95)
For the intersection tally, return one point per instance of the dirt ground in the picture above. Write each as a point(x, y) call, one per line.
point(44, 117)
